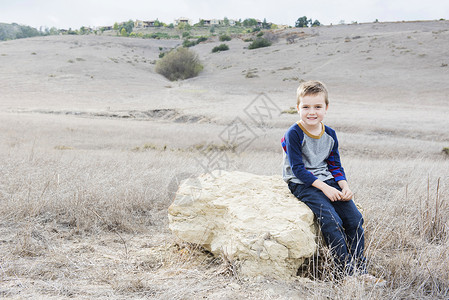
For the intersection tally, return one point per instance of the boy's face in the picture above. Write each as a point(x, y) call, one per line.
point(312, 109)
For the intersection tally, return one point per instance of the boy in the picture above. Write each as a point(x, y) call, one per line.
point(314, 174)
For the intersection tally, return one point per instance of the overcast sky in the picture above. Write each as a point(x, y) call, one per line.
point(76, 13)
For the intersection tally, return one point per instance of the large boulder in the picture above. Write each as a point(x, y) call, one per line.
point(250, 219)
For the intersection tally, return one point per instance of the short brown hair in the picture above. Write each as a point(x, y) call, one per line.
point(311, 87)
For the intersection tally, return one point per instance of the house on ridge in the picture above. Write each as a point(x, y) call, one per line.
point(183, 20)
point(210, 22)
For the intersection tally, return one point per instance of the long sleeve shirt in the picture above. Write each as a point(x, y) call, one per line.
point(308, 157)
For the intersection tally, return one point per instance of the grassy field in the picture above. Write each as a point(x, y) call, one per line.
point(89, 157)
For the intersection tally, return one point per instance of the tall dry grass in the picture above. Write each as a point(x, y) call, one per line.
point(90, 221)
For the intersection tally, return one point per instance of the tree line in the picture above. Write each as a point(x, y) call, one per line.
point(16, 31)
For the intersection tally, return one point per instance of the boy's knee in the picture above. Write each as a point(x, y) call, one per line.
point(330, 222)
point(356, 222)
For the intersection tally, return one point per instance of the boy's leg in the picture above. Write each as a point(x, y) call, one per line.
point(330, 222)
point(352, 223)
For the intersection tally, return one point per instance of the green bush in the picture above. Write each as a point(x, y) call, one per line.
point(259, 43)
point(222, 47)
point(446, 150)
point(188, 43)
point(179, 64)
point(160, 35)
point(260, 34)
point(201, 39)
point(224, 38)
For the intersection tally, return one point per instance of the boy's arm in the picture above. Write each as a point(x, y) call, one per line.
point(333, 161)
point(337, 171)
point(347, 193)
point(294, 153)
point(332, 193)
point(293, 149)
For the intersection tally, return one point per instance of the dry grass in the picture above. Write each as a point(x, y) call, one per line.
point(92, 223)
point(84, 194)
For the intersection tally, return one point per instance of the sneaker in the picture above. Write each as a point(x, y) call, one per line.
point(372, 280)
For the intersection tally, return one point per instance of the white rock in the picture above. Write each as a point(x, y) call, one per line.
point(252, 220)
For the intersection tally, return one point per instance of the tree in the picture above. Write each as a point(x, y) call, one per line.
point(54, 31)
point(316, 23)
point(302, 22)
point(123, 32)
point(265, 25)
point(181, 26)
point(72, 32)
point(83, 30)
point(250, 22)
point(115, 26)
point(157, 23)
point(128, 26)
point(226, 21)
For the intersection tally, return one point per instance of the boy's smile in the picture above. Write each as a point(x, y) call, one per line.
point(312, 110)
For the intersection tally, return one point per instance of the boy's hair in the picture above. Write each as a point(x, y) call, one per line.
point(311, 87)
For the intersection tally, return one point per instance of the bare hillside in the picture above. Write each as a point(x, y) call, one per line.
point(94, 143)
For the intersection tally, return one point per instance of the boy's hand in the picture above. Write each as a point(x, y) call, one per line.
point(332, 193)
point(347, 194)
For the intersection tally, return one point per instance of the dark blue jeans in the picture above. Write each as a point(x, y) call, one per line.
point(341, 224)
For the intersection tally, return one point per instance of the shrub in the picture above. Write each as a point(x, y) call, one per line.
point(446, 150)
point(260, 34)
point(222, 47)
point(188, 43)
point(224, 38)
point(259, 43)
point(201, 39)
point(179, 64)
point(159, 35)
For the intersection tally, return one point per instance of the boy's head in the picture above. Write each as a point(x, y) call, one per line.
point(311, 88)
